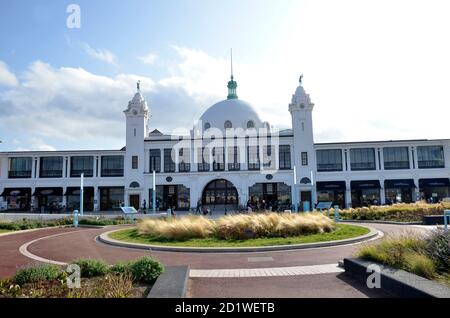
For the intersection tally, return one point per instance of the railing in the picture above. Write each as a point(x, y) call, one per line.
point(19, 174)
point(112, 172)
point(430, 164)
point(50, 174)
point(77, 173)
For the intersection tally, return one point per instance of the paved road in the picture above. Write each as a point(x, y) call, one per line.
point(68, 244)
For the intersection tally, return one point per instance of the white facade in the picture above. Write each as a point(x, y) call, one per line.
point(324, 172)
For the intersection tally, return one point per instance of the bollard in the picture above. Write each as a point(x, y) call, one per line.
point(75, 218)
point(446, 219)
point(336, 214)
point(306, 206)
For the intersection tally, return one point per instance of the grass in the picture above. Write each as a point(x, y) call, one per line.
point(342, 231)
point(237, 227)
point(424, 256)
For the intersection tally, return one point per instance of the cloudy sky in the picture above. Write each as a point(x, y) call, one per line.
point(376, 70)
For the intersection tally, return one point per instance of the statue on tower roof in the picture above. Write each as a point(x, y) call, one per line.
point(300, 79)
point(138, 85)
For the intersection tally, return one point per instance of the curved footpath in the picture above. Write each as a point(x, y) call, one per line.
point(314, 275)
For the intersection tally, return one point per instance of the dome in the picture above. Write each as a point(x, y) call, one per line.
point(231, 113)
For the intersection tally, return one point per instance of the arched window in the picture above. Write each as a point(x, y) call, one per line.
point(135, 185)
point(228, 124)
point(207, 126)
point(220, 192)
point(250, 124)
point(305, 180)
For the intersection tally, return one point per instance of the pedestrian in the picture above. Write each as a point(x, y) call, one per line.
point(144, 206)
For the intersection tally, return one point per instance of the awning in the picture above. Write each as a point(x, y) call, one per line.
point(331, 185)
point(16, 192)
point(399, 183)
point(444, 182)
point(76, 190)
point(48, 191)
point(365, 184)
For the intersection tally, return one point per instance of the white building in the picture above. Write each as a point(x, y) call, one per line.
point(230, 159)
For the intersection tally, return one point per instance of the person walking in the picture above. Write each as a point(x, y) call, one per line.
point(144, 206)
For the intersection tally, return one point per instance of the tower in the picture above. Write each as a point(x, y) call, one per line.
point(137, 116)
point(301, 109)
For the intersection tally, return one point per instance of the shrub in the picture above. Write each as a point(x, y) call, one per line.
point(177, 228)
point(397, 212)
point(251, 226)
point(26, 224)
point(237, 227)
point(420, 264)
point(92, 267)
point(145, 269)
point(37, 273)
point(438, 249)
point(120, 268)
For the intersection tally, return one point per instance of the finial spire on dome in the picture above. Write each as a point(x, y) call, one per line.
point(232, 85)
point(300, 80)
point(138, 86)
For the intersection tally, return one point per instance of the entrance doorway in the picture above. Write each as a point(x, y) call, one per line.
point(220, 195)
point(306, 196)
point(135, 201)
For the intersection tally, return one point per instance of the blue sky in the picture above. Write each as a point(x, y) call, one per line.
point(375, 70)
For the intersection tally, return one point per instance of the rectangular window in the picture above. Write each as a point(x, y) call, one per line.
point(82, 164)
point(233, 159)
point(203, 159)
point(185, 160)
point(396, 158)
point(155, 160)
point(134, 162)
point(362, 159)
point(51, 167)
point(253, 158)
point(218, 159)
point(169, 163)
point(112, 166)
point(304, 158)
point(20, 168)
point(329, 160)
point(269, 157)
point(430, 157)
point(285, 157)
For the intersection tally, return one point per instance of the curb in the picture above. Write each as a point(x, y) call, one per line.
point(34, 230)
point(397, 281)
point(104, 238)
point(172, 283)
point(382, 222)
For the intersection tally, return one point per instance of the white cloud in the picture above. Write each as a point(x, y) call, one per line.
point(100, 54)
point(36, 144)
point(148, 59)
point(7, 78)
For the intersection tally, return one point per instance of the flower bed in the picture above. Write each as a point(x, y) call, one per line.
point(428, 256)
point(413, 212)
point(237, 227)
point(98, 280)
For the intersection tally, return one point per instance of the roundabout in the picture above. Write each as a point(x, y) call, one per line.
point(128, 238)
point(307, 272)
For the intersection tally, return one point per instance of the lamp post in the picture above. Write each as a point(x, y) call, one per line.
point(313, 191)
point(81, 195)
point(294, 190)
point(154, 192)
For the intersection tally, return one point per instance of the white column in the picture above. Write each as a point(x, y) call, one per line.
point(377, 161)
point(416, 161)
point(348, 194)
point(33, 167)
point(96, 199)
point(382, 158)
point(162, 160)
point(64, 167)
point(382, 193)
point(94, 166)
point(38, 167)
point(64, 198)
point(411, 159)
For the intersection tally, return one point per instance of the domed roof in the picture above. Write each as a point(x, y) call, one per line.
point(231, 113)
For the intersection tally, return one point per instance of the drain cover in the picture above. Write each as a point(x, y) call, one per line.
point(260, 259)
